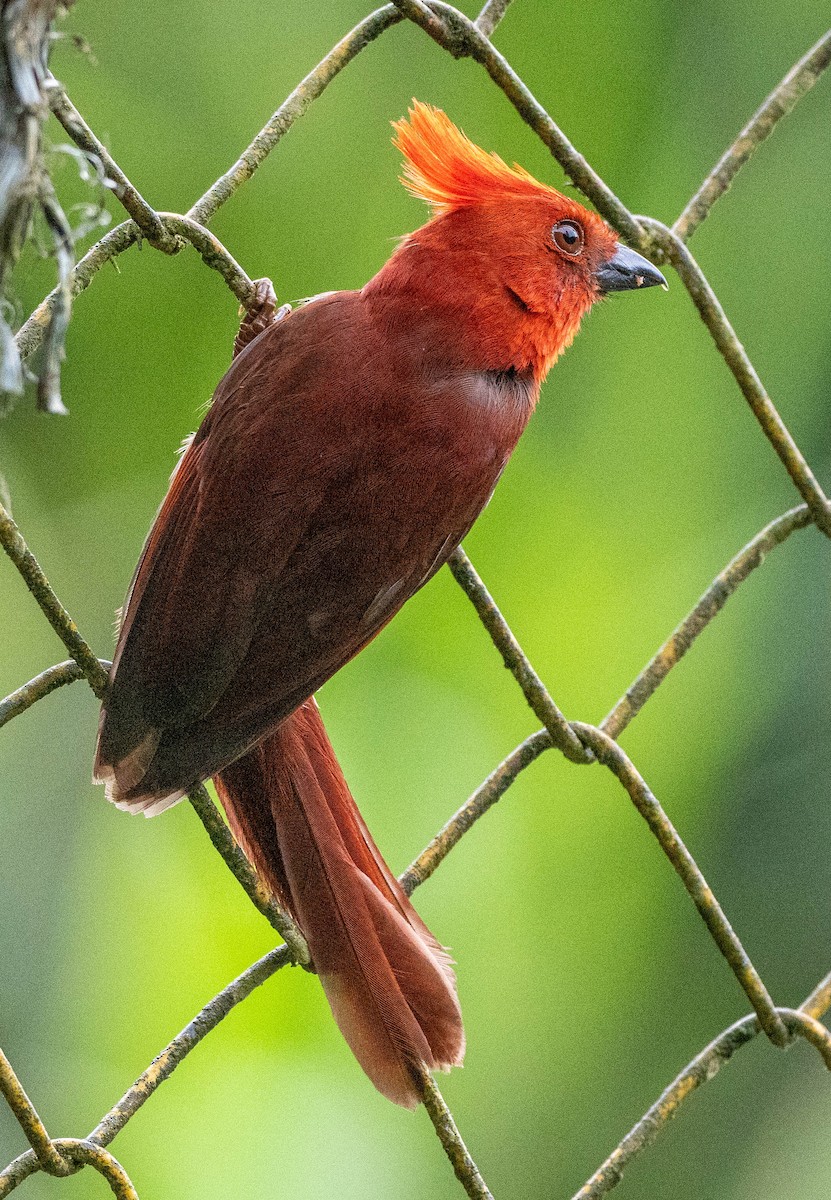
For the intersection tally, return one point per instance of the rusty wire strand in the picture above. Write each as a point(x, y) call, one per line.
point(704, 1067)
point(423, 16)
point(799, 80)
point(364, 33)
point(26, 1115)
point(81, 1153)
point(146, 218)
point(115, 242)
point(463, 34)
point(742, 369)
point(490, 16)
point(485, 796)
point(219, 833)
point(802, 1024)
point(12, 542)
point(221, 836)
point(646, 684)
point(232, 854)
point(710, 604)
point(460, 36)
point(533, 688)
point(609, 753)
point(818, 1002)
point(50, 679)
point(213, 254)
point(465, 1169)
point(164, 1064)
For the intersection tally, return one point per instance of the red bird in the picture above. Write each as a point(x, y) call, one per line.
point(347, 452)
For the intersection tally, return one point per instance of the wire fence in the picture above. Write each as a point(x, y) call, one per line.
point(579, 742)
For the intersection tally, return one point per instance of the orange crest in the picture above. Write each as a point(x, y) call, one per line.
point(444, 168)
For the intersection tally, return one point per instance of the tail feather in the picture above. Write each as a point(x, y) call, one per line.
point(388, 981)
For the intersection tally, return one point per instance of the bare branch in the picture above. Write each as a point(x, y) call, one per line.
point(798, 81)
point(24, 44)
point(49, 381)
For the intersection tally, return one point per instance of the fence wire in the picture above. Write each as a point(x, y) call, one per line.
point(581, 743)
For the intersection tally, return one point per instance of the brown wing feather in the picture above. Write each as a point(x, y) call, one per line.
point(298, 522)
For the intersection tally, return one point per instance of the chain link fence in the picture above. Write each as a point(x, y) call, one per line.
point(170, 233)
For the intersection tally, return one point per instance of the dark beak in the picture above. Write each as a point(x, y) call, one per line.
point(626, 270)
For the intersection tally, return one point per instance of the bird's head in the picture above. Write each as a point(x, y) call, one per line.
point(523, 262)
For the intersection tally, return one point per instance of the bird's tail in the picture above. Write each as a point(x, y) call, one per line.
point(388, 981)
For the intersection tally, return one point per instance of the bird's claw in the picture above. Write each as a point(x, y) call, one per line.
point(261, 313)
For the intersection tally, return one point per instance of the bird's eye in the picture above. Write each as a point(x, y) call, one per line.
point(568, 237)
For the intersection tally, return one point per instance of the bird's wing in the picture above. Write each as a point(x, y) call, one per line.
point(306, 510)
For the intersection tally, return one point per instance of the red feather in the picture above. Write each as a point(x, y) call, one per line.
point(387, 979)
point(346, 453)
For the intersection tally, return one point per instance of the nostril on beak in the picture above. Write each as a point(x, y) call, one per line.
point(627, 270)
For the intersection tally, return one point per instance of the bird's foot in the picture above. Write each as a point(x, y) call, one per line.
point(262, 313)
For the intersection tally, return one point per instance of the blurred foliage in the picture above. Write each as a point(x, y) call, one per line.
point(586, 977)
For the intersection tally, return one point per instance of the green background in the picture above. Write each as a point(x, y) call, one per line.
point(586, 977)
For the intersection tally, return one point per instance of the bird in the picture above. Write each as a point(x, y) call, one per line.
point(346, 453)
